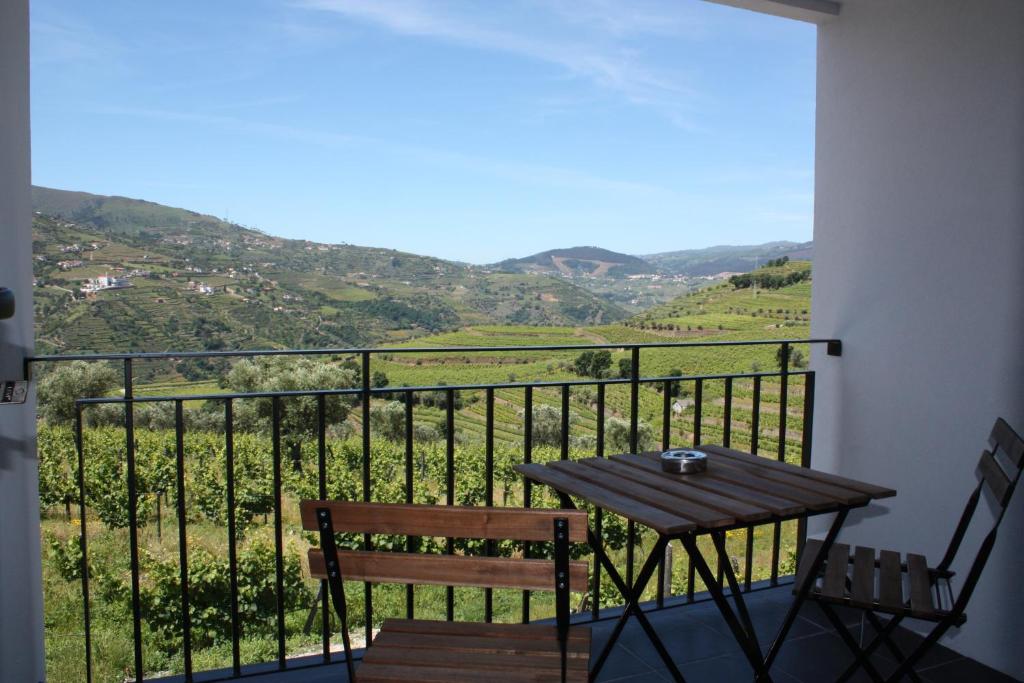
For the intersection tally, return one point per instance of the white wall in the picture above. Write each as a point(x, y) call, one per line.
point(21, 628)
point(919, 269)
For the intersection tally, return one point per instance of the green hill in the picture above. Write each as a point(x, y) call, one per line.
point(201, 283)
point(579, 262)
point(727, 259)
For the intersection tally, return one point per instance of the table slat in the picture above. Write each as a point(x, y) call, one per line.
point(870, 489)
point(659, 520)
point(678, 485)
point(779, 506)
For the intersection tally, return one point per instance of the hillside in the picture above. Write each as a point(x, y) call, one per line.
point(578, 262)
point(727, 259)
point(197, 282)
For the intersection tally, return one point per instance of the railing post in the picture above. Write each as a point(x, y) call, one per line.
point(634, 399)
point(367, 539)
point(805, 450)
point(83, 542)
point(133, 527)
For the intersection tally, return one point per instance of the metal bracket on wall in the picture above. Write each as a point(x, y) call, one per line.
point(835, 348)
point(13, 392)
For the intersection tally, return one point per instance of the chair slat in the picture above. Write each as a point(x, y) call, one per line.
point(444, 520)
point(448, 570)
point(862, 586)
point(890, 581)
point(920, 587)
point(834, 585)
point(807, 556)
point(1003, 437)
point(995, 478)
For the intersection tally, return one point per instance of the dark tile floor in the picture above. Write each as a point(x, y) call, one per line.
point(703, 648)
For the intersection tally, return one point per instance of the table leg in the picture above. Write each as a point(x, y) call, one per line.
point(734, 589)
point(805, 587)
point(745, 639)
point(631, 594)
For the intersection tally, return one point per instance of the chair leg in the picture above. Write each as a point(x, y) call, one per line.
point(883, 636)
point(862, 660)
point(907, 664)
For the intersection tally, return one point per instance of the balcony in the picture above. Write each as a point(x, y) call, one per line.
point(703, 648)
point(147, 605)
point(919, 114)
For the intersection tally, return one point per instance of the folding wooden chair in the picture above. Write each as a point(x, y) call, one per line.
point(883, 583)
point(429, 651)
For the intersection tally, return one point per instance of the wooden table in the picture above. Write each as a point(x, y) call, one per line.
point(737, 490)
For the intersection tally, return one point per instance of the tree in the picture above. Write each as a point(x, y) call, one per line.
point(298, 413)
point(388, 420)
point(796, 358)
point(617, 435)
point(593, 364)
point(625, 367)
point(547, 426)
point(378, 379)
point(78, 379)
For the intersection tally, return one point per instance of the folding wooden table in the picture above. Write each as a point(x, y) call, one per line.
point(737, 490)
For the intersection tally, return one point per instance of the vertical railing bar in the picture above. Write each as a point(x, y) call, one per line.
point(666, 433)
point(489, 490)
point(805, 450)
point(278, 530)
point(748, 568)
point(698, 407)
point(634, 398)
point(634, 417)
point(186, 617)
point(410, 542)
point(727, 418)
point(367, 538)
point(133, 529)
point(755, 438)
point(450, 488)
point(83, 543)
point(595, 608)
point(321, 478)
point(229, 466)
point(564, 441)
point(783, 408)
point(691, 577)
point(666, 415)
point(755, 418)
point(527, 485)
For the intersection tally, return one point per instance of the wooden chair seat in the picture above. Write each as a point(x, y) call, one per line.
point(428, 651)
point(880, 581)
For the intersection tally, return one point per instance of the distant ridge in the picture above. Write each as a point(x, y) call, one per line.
point(579, 261)
point(727, 258)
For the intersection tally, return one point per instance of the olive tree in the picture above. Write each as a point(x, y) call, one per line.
point(62, 385)
point(298, 413)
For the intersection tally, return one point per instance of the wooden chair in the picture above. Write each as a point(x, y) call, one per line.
point(885, 583)
point(427, 651)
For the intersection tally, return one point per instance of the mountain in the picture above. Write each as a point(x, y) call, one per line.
point(727, 259)
point(197, 282)
point(591, 262)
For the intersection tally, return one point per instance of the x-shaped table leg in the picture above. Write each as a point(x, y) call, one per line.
point(632, 595)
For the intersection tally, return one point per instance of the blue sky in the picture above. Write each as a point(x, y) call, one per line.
point(473, 130)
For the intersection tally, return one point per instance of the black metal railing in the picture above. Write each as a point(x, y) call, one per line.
point(364, 395)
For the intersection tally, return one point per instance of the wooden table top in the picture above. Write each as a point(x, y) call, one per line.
point(737, 489)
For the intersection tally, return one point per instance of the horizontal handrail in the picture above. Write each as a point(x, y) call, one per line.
point(169, 355)
point(356, 391)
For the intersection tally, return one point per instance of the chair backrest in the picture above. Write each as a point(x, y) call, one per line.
point(452, 522)
point(560, 526)
point(999, 471)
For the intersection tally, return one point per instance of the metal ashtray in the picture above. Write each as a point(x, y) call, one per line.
point(684, 461)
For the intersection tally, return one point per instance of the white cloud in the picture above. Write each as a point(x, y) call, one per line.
point(600, 57)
